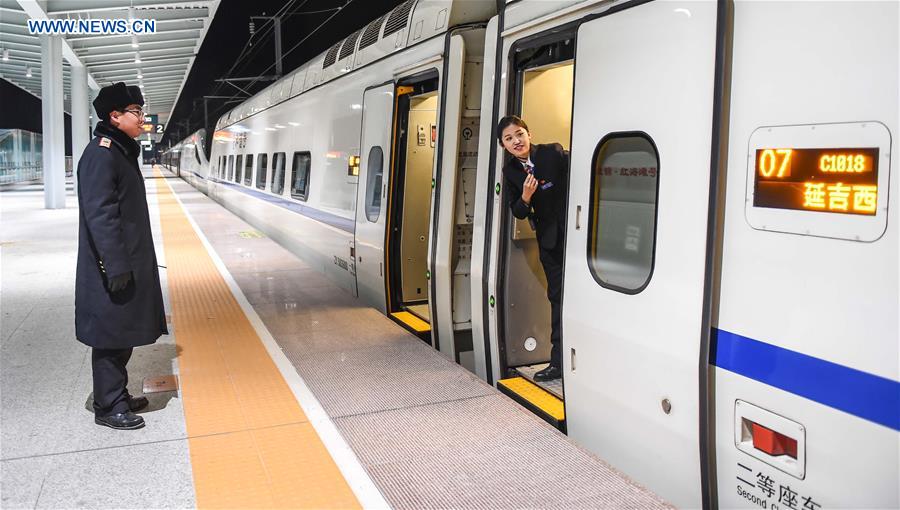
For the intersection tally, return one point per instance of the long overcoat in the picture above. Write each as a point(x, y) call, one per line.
point(114, 238)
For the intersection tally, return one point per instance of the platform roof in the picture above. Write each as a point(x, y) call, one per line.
point(160, 62)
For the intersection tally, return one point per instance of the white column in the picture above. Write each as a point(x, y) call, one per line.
point(53, 123)
point(80, 121)
point(18, 156)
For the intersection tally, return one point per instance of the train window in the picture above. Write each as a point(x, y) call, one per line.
point(300, 182)
point(237, 168)
point(248, 170)
point(262, 163)
point(231, 167)
point(374, 173)
point(624, 190)
point(278, 173)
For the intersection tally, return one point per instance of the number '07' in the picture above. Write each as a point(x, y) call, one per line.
point(775, 162)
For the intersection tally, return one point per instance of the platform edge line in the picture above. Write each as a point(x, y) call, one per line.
point(362, 485)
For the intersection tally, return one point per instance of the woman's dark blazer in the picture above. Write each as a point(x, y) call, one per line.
point(548, 204)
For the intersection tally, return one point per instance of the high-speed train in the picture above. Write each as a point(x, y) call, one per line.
point(730, 297)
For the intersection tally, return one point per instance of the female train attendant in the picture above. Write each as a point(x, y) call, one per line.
point(536, 182)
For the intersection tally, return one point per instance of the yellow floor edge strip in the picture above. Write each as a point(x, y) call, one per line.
point(251, 445)
point(537, 396)
point(412, 321)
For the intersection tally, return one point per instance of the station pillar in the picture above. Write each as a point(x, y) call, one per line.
point(53, 123)
point(81, 126)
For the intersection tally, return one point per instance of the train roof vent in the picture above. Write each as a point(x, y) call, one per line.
point(349, 45)
point(398, 18)
point(372, 32)
point(331, 56)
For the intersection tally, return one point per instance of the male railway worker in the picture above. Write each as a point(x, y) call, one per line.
point(536, 183)
point(118, 300)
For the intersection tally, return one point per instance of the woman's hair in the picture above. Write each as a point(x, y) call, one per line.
point(505, 122)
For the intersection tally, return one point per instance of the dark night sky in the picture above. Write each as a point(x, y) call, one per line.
point(221, 48)
point(229, 33)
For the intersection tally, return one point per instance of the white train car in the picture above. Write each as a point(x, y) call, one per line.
point(730, 295)
point(187, 159)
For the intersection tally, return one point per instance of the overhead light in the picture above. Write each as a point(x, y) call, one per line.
point(6, 55)
point(139, 75)
point(134, 43)
point(28, 72)
point(137, 57)
point(141, 85)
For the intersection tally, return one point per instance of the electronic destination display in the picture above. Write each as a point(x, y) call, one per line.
point(832, 180)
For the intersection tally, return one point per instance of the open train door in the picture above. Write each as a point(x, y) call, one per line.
point(371, 193)
point(449, 249)
point(637, 240)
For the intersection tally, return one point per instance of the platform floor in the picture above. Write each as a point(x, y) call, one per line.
point(279, 369)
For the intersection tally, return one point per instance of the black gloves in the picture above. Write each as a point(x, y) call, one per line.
point(118, 282)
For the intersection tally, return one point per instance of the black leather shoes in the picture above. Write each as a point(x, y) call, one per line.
point(135, 404)
point(121, 421)
point(548, 374)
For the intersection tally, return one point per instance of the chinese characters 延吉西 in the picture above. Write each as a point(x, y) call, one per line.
point(838, 196)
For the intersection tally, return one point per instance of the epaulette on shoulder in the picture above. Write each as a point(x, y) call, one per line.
point(105, 142)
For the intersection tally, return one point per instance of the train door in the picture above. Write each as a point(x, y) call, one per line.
point(378, 103)
point(410, 200)
point(637, 241)
point(541, 79)
point(452, 214)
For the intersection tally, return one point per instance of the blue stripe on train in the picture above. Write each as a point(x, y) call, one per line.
point(855, 392)
point(339, 222)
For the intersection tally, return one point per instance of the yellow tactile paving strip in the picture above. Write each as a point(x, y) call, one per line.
point(540, 398)
point(412, 321)
point(251, 445)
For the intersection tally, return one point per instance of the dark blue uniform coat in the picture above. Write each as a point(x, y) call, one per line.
point(114, 238)
point(548, 204)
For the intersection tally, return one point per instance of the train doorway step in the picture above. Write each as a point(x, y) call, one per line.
point(420, 311)
point(535, 399)
point(554, 387)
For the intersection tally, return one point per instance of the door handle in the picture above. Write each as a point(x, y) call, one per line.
point(770, 438)
point(578, 217)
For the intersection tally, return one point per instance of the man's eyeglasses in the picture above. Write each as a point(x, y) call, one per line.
point(137, 113)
